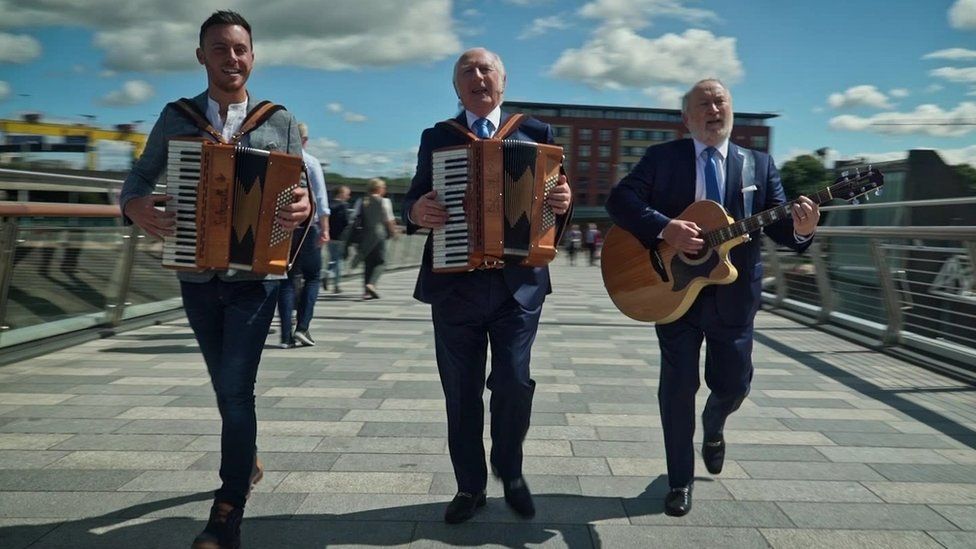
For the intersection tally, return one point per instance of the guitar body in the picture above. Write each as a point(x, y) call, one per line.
point(660, 285)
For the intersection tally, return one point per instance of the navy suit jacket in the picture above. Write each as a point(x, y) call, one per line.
point(662, 185)
point(529, 286)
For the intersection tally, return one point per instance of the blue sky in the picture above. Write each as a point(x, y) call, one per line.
point(862, 77)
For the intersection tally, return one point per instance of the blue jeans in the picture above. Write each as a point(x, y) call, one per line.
point(308, 265)
point(230, 321)
point(337, 251)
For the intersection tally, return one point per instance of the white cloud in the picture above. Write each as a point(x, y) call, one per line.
point(965, 155)
point(925, 119)
point(636, 14)
point(18, 48)
point(962, 14)
point(932, 88)
point(149, 35)
point(665, 97)
point(954, 74)
point(132, 92)
point(543, 25)
point(899, 93)
point(348, 116)
point(952, 54)
point(619, 58)
point(859, 96)
point(4, 90)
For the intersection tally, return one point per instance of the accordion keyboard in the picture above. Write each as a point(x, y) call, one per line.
point(450, 180)
point(182, 179)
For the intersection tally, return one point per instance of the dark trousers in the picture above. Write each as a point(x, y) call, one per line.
point(480, 313)
point(308, 265)
point(373, 263)
point(728, 374)
point(230, 321)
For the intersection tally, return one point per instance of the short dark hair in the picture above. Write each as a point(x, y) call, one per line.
point(225, 17)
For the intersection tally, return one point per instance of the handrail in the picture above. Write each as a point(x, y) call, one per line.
point(903, 203)
point(56, 209)
point(61, 176)
point(962, 232)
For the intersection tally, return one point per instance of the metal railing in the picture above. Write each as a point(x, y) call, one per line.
point(903, 287)
point(66, 268)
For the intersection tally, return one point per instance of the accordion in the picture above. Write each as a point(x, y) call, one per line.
point(495, 192)
point(226, 199)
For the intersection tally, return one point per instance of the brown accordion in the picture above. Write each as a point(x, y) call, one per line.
point(226, 199)
point(495, 192)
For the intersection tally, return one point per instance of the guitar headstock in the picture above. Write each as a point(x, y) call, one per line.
point(851, 186)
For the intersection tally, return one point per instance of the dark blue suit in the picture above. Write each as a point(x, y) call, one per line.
point(658, 189)
point(469, 310)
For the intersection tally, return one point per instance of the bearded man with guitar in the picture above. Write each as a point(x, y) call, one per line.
point(647, 203)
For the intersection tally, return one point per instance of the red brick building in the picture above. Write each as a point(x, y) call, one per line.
point(602, 144)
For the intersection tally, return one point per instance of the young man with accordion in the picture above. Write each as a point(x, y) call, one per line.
point(226, 261)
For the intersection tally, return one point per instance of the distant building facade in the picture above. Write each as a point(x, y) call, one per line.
point(602, 143)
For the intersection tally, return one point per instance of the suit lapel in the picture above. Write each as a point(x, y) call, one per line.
point(686, 173)
point(733, 182)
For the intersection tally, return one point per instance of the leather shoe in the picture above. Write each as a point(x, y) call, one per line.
point(713, 454)
point(678, 502)
point(518, 497)
point(463, 507)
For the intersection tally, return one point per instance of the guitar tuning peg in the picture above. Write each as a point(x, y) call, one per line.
point(877, 192)
point(855, 202)
point(867, 198)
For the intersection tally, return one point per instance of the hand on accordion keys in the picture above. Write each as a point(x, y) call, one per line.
point(292, 215)
point(427, 211)
point(560, 196)
point(144, 213)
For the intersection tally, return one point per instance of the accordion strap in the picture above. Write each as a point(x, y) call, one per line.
point(508, 128)
point(261, 112)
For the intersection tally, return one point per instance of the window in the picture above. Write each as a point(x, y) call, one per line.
point(583, 166)
point(585, 134)
point(760, 142)
point(606, 135)
point(604, 151)
point(583, 151)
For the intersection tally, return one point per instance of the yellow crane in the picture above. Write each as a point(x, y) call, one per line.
point(31, 125)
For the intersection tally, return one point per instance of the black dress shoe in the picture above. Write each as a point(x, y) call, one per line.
point(223, 530)
point(463, 507)
point(518, 497)
point(678, 502)
point(713, 454)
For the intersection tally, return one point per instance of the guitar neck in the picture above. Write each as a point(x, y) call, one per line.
point(846, 188)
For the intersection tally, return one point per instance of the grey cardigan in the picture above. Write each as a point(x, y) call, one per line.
point(279, 132)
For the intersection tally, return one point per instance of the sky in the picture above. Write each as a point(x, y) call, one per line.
point(864, 78)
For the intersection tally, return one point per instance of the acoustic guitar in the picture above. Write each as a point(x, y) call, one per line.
point(659, 285)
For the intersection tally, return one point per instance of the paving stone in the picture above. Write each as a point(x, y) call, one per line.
point(818, 539)
point(864, 516)
point(676, 536)
point(799, 490)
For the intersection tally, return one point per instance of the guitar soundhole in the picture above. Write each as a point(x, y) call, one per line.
point(696, 258)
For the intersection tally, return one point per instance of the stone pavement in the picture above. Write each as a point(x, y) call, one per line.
point(114, 443)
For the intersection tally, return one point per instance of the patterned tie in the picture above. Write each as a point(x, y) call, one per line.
point(482, 128)
point(711, 177)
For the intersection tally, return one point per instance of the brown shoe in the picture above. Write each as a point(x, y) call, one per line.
point(223, 530)
point(257, 473)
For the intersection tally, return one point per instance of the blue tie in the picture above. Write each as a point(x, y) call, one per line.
point(482, 128)
point(711, 177)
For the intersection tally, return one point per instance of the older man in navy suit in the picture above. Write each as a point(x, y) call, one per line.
point(472, 309)
point(647, 203)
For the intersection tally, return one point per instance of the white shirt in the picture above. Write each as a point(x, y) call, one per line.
point(495, 117)
point(316, 182)
point(236, 112)
point(721, 154)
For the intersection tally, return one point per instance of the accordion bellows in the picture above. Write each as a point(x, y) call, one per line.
point(495, 192)
point(226, 201)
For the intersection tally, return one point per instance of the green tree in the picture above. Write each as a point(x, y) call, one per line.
point(804, 174)
point(968, 173)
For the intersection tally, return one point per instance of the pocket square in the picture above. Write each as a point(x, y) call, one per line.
point(749, 189)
